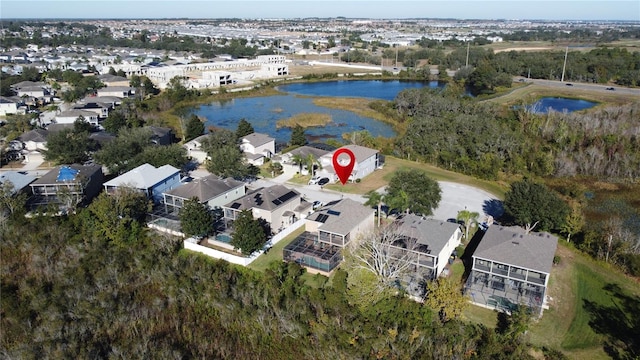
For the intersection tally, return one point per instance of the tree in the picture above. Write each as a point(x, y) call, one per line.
point(298, 138)
point(299, 160)
point(11, 202)
point(386, 254)
point(118, 155)
point(414, 191)
point(71, 146)
point(445, 296)
point(244, 128)
point(196, 219)
point(375, 198)
point(529, 202)
point(469, 218)
point(227, 161)
point(119, 217)
point(194, 128)
point(248, 233)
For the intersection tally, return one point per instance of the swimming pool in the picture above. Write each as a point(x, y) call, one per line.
point(225, 238)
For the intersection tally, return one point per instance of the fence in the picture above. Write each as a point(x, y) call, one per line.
point(191, 244)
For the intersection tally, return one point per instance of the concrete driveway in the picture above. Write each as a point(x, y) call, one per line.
point(457, 197)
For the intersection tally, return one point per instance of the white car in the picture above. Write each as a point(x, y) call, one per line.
point(314, 180)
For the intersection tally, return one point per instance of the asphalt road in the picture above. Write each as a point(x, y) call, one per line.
point(581, 86)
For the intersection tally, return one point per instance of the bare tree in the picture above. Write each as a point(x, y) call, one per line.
point(387, 254)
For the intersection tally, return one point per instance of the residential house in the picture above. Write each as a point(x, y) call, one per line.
point(211, 190)
point(31, 88)
point(117, 91)
point(113, 80)
point(327, 232)
point(67, 185)
point(430, 243)
point(511, 267)
point(287, 159)
point(20, 181)
point(194, 148)
point(277, 204)
point(100, 109)
point(161, 135)
point(34, 140)
point(366, 161)
point(70, 116)
point(7, 106)
point(152, 181)
point(257, 147)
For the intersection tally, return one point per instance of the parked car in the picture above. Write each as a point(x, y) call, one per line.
point(317, 204)
point(569, 84)
point(611, 89)
point(323, 181)
point(314, 180)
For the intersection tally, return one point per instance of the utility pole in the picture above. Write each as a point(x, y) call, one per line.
point(608, 248)
point(396, 55)
point(566, 52)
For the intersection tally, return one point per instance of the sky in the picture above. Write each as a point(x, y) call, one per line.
point(375, 9)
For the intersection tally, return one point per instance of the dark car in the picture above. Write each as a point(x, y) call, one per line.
point(323, 181)
point(611, 89)
point(569, 84)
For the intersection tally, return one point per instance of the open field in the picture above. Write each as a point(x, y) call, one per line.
point(380, 178)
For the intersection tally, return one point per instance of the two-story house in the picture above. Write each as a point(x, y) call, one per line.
point(211, 190)
point(67, 185)
point(277, 204)
point(366, 161)
point(430, 242)
point(257, 147)
point(327, 232)
point(70, 116)
point(511, 267)
point(152, 181)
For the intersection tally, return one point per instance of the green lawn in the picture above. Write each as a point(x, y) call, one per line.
point(587, 297)
point(275, 254)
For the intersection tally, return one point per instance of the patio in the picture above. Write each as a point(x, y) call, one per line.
point(307, 251)
point(503, 294)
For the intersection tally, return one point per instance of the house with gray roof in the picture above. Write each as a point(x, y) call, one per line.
point(152, 181)
point(511, 267)
point(257, 147)
point(211, 190)
point(67, 185)
point(277, 204)
point(367, 160)
point(327, 232)
point(70, 116)
point(35, 139)
point(431, 242)
point(287, 159)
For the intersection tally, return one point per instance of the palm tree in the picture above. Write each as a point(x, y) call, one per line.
point(311, 162)
point(468, 217)
point(298, 160)
point(375, 198)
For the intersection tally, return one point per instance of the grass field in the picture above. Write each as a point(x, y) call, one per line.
point(380, 178)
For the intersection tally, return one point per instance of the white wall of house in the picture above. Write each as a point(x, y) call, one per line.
point(222, 199)
point(8, 108)
point(91, 119)
point(447, 250)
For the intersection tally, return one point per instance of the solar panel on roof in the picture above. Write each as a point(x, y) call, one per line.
point(333, 212)
point(235, 205)
point(286, 197)
point(322, 218)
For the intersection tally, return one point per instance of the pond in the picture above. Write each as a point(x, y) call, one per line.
point(264, 112)
point(559, 104)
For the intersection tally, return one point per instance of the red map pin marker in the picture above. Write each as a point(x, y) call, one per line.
point(343, 165)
